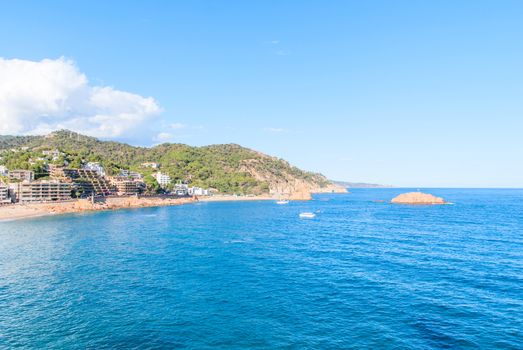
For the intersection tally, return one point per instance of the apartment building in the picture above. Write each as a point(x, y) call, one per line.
point(41, 191)
point(4, 194)
point(125, 186)
point(163, 179)
point(90, 182)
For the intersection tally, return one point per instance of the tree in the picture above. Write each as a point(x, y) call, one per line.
point(152, 185)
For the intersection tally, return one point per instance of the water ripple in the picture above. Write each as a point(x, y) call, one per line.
point(253, 275)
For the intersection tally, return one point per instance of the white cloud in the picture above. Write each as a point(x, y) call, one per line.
point(39, 97)
point(163, 137)
point(275, 42)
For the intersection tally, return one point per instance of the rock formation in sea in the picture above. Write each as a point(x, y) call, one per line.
point(417, 198)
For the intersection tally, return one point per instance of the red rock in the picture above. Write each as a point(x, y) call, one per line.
point(417, 198)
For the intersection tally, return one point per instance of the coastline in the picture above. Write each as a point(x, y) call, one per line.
point(19, 211)
point(33, 210)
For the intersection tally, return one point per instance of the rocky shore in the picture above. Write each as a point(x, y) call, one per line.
point(24, 211)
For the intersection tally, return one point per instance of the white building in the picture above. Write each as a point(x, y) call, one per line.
point(133, 175)
point(4, 171)
point(181, 189)
point(151, 165)
point(163, 179)
point(95, 166)
point(4, 194)
point(198, 191)
point(55, 154)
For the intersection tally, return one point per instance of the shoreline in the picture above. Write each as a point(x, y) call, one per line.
point(14, 212)
point(18, 211)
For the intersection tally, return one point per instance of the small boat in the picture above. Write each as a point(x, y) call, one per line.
point(282, 201)
point(307, 215)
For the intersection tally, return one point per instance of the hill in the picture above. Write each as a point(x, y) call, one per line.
point(359, 184)
point(228, 168)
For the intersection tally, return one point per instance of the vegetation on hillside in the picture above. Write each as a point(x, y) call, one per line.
point(217, 166)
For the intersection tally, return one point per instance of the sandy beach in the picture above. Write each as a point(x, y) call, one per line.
point(25, 211)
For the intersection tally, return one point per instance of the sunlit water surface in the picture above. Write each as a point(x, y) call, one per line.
point(362, 274)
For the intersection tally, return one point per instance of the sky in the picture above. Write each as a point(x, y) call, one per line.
point(406, 93)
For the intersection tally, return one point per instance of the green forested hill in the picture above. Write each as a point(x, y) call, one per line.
point(228, 168)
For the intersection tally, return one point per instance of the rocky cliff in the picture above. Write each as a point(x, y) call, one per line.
point(286, 181)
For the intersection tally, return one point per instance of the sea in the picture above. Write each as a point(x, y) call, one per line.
point(362, 274)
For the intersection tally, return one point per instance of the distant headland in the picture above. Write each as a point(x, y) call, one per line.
point(347, 184)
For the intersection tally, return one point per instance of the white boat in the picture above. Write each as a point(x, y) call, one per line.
point(307, 215)
point(281, 201)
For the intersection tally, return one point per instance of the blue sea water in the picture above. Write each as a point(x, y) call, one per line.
point(252, 275)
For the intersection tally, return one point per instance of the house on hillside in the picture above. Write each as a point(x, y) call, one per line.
point(4, 171)
point(131, 174)
point(54, 154)
point(95, 166)
point(152, 165)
